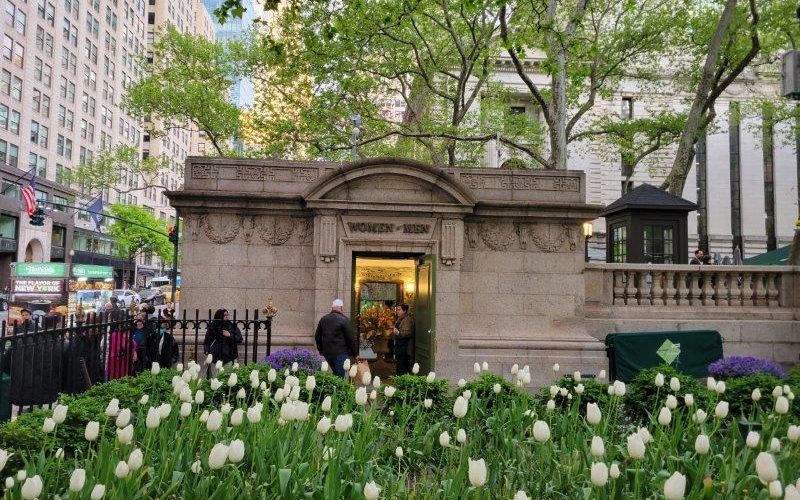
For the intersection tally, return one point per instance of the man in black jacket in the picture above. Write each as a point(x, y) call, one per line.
point(336, 340)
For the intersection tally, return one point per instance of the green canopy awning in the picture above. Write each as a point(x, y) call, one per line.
point(777, 257)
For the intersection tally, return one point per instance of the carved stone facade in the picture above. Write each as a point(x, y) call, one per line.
point(506, 248)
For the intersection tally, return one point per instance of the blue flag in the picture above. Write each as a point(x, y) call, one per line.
point(95, 209)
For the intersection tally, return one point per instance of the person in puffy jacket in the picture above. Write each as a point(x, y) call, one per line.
point(335, 338)
point(222, 338)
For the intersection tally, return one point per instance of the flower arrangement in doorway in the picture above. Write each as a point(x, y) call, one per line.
point(375, 322)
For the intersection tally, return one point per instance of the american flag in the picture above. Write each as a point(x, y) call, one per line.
point(29, 196)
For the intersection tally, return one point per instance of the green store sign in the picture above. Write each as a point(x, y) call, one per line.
point(90, 271)
point(40, 269)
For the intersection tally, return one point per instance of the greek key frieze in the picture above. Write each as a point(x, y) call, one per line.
point(205, 171)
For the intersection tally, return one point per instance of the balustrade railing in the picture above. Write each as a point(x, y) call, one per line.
point(685, 285)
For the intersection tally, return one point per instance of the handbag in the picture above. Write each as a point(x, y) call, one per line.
point(362, 367)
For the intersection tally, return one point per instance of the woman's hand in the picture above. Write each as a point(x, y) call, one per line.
point(226, 333)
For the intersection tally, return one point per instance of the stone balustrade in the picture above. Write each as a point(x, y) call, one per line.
point(678, 286)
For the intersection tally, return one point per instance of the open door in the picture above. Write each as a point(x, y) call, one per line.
point(425, 334)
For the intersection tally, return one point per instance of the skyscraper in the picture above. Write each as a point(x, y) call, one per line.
point(234, 27)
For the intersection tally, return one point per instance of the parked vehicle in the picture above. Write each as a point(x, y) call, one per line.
point(127, 297)
point(152, 295)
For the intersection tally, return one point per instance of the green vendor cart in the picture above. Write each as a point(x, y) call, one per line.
point(689, 352)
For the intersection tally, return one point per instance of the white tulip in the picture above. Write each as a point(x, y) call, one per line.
point(186, 394)
point(793, 434)
point(672, 402)
point(766, 468)
point(59, 454)
point(49, 425)
point(775, 445)
point(135, 459)
point(326, 404)
point(467, 394)
point(593, 414)
point(659, 380)
point(98, 492)
point(272, 375)
point(9, 482)
point(22, 474)
point(214, 421)
point(125, 435)
point(324, 367)
point(311, 383)
point(415, 368)
point(720, 387)
point(92, 431)
point(398, 452)
point(366, 378)
point(635, 446)
point(702, 444)
point(576, 376)
point(610, 389)
point(122, 470)
point(353, 371)
point(756, 394)
point(204, 416)
point(460, 407)
point(232, 380)
point(700, 416)
point(427, 403)
point(343, 422)
point(376, 382)
point(711, 384)
point(521, 495)
point(554, 390)
point(153, 419)
point(236, 451)
point(32, 488)
point(485, 366)
point(619, 388)
point(675, 487)
point(156, 368)
point(371, 491)
point(254, 414)
point(444, 439)
point(462, 382)
point(225, 408)
point(476, 367)
point(515, 369)
point(688, 400)
point(164, 409)
point(644, 434)
point(113, 408)
point(209, 359)
point(791, 493)
point(346, 364)
point(77, 480)
point(279, 395)
point(781, 405)
point(614, 471)
point(752, 439)
point(60, 414)
point(721, 410)
point(541, 431)
point(598, 448)
point(361, 396)
point(431, 377)
point(218, 456)
point(556, 367)
point(563, 391)
point(674, 384)
point(775, 489)
point(389, 391)
point(237, 417)
point(215, 384)
point(601, 375)
point(599, 474)
point(123, 418)
point(186, 409)
point(477, 472)
point(664, 416)
point(324, 425)
point(327, 453)
point(240, 394)
point(551, 405)
point(461, 436)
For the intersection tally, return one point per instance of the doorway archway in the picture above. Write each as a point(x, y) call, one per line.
point(34, 252)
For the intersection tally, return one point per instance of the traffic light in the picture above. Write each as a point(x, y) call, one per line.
point(37, 218)
point(173, 235)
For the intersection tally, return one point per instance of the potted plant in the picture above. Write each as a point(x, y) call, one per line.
point(375, 324)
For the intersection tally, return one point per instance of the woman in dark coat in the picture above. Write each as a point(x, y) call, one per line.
point(222, 338)
point(161, 346)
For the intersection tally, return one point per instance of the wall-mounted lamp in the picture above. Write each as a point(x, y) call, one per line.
point(588, 230)
point(409, 287)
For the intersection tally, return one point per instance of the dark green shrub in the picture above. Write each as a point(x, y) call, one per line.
point(643, 397)
point(484, 397)
point(412, 390)
point(593, 392)
point(794, 376)
point(739, 390)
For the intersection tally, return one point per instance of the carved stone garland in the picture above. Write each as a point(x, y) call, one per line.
point(275, 230)
point(220, 228)
point(497, 235)
point(547, 237)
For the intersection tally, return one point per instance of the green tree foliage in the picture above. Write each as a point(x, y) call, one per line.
point(139, 232)
point(120, 169)
point(185, 85)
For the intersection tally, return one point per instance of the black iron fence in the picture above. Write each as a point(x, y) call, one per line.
point(43, 357)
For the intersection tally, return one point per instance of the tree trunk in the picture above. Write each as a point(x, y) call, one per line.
point(558, 133)
point(676, 179)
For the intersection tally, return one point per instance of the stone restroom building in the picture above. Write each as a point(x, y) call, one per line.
point(496, 256)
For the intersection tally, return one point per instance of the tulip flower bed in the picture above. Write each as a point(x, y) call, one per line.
point(253, 432)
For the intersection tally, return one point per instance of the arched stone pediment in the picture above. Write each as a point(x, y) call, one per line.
point(393, 182)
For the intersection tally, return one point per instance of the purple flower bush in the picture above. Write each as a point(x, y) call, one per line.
point(743, 366)
point(306, 360)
